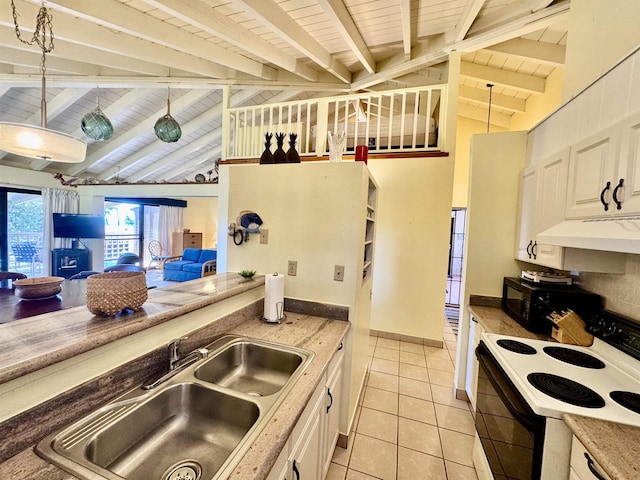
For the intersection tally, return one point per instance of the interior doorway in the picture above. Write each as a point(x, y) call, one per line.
point(454, 273)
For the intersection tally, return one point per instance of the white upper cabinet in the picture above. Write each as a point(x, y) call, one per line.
point(604, 176)
point(592, 168)
point(543, 193)
point(630, 166)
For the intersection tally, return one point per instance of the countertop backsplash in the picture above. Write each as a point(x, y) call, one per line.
point(621, 293)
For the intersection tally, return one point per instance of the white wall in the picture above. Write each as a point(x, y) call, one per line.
point(600, 34)
point(413, 219)
point(311, 214)
point(496, 163)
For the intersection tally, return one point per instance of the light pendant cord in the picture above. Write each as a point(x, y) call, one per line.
point(490, 85)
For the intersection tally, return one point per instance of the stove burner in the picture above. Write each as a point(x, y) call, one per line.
point(628, 400)
point(574, 357)
point(565, 390)
point(517, 347)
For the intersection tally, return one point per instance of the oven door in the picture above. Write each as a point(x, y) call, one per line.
point(512, 435)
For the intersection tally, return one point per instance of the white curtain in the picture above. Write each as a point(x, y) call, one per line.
point(169, 221)
point(55, 200)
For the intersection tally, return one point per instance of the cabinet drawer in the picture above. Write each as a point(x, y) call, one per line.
point(582, 463)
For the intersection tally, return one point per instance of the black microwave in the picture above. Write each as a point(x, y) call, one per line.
point(530, 303)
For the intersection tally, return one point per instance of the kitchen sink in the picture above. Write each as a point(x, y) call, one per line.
point(197, 424)
point(249, 367)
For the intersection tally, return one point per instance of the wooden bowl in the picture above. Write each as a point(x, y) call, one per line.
point(38, 288)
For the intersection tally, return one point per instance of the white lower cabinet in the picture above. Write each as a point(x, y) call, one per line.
point(307, 454)
point(583, 466)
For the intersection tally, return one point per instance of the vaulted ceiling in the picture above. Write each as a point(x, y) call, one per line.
point(131, 55)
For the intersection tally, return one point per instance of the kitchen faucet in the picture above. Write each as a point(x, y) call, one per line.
point(176, 363)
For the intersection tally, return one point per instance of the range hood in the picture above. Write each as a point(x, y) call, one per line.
point(615, 234)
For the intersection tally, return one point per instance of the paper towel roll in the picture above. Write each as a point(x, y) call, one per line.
point(274, 297)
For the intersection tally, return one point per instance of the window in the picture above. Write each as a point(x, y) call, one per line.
point(21, 231)
point(123, 227)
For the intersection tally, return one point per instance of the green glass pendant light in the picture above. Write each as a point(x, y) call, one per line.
point(96, 125)
point(167, 128)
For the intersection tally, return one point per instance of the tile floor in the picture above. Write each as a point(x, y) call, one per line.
point(409, 426)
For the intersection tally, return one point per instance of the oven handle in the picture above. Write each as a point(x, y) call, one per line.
point(506, 390)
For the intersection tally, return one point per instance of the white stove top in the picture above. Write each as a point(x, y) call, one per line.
point(619, 373)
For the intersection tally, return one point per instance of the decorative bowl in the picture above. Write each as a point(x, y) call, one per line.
point(110, 293)
point(37, 288)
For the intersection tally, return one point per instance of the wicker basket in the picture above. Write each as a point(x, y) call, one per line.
point(110, 293)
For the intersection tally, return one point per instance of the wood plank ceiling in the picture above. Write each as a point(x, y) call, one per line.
point(126, 53)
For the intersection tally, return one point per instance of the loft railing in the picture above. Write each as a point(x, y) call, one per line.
point(406, 120)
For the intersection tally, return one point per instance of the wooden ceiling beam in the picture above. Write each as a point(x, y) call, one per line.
point(504, 78)
point(543, 53)
point(342, 21)
point(135, 24)
point(405, 20)
point(504, 102)
point(201, 15)
point(78, 31)
point(274, 17)
point(471, 10)
point(481, 114)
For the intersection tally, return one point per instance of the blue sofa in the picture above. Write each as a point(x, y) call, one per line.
point(193, 263)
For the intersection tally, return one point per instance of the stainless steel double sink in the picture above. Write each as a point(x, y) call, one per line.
point(197, 424)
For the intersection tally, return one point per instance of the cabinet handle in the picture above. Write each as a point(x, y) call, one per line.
point(528, 247)
point(330, 398)
point(606, 205)
point(296, 471)
point(592, 467)
point(615, 194)
point(533, 250)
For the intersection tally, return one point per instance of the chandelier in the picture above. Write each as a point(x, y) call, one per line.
point(33, 141)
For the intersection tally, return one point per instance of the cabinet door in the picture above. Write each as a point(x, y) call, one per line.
point(305, 460)
point(332, 415)
point(629, 168)
point(528, 188)
point(592, 175)
point(550, 205)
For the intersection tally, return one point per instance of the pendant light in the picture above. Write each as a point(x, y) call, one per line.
point(40, 142)
point(167, 129)
point(96, 124)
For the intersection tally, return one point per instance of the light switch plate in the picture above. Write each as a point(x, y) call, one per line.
point(292, 268)
point(338, 273)
point(264, 236)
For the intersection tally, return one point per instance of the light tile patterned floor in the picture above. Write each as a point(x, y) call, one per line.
point(409, 426)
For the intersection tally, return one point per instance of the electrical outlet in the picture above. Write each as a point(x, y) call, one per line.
point(338, 273)
point(264, 236)
point(292, 268)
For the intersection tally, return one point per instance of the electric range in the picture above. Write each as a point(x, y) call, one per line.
point(534, 382)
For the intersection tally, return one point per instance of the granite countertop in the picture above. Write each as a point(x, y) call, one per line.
point(495, 320)
point(320, 335)
point(36, 342)
point(621, 461)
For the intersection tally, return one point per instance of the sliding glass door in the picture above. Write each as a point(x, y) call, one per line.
point(21, 231)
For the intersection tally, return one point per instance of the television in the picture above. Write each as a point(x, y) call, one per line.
point(77, 225)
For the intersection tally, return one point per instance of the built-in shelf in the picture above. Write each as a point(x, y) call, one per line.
point(367, 267)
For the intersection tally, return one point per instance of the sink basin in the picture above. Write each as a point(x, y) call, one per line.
point(197, 424)
point(186, 426)
point(252, 368)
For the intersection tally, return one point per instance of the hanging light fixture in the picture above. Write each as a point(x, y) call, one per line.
point(96, 124)
point(40, 142)
point(167, 129)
